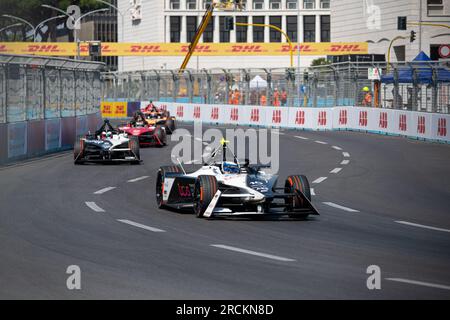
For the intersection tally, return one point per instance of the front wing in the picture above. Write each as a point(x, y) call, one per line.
point(226, 204)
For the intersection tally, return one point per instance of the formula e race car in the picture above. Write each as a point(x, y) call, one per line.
point(107, 144)
point(227, 188)
point(157, 117)
point(147, 135)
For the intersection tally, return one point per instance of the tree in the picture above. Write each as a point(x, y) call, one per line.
point(320, 62)
point(32, 11)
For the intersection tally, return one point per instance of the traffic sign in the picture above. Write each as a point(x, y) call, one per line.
point(444, 51)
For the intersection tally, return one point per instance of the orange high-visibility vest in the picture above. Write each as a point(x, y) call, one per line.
point(367, 99)
point(276, 99)
point(263, 100)
point(236, 97)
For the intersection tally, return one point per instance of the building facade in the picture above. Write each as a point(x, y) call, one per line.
point(175, 21)
point(375, 22)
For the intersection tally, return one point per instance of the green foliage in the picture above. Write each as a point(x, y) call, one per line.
point(319, 62)
point(32, 11)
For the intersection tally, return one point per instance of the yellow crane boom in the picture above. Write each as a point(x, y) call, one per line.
point(206, 19)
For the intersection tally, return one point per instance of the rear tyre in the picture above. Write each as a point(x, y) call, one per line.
point(299, 182)
point(78, 151)
point(160, 182)
point(134, 147)
point(161, 136)
point(170, 125)
point(205, 189)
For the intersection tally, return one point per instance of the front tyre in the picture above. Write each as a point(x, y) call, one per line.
point(170, 125)
point(134, 147)
point(204, 191)
point(160, 136)
point(160, 182)
point(301, 183)
point(78, 151)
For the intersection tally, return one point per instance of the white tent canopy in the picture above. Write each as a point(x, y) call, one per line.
point(258, 82)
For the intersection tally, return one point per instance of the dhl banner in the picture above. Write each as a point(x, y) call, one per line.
point(180, 49)
point(113, 109)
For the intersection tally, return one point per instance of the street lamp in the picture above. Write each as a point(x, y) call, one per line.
point(59, 10)
point(10, 26)
point(20, 19)
point(43, 22)
point(122, 21)
point(78, 20)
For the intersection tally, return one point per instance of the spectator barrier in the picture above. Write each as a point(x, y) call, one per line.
point(417, 125)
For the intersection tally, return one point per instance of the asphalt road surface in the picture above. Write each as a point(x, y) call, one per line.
point(385, 202)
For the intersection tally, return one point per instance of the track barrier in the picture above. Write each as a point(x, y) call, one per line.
point(417, 125)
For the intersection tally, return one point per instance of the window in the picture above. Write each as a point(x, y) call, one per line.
point(224, 35)
point(191, 27)
point(206, 4)
point(291, 4)
point(275, 35)
point(175, 4)
point(175, 29)
point(241, 31)
point(208, 35)
point(291, 22)
point(258, 4)
point(258, 32)
point(324, 4)
point(325, 28)
point(309, 27)
point(309, 4)
point(275, 4)
point(191, 4)
point(435, 8)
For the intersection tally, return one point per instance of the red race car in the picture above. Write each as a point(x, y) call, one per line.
point(147, 135)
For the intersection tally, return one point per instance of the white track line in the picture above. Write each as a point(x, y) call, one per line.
point(337, 148)
point(320, 142)
point(254, 253)
point(101, 191)
point(344, 162)
point(346, 154)
point(142, 226)
point(319, 180)
point(94, 206)
point(423, 226)
point(199, 139)
point(138, 179)
point(336, 170)
point(420, 283)
point(303, 138)
point(277, 132)
point(337, 206)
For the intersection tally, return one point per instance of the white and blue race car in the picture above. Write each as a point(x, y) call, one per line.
point(228, 188)
point(107, 144)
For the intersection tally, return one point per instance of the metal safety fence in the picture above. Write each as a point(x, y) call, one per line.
point(36, 88)
point(416, 86)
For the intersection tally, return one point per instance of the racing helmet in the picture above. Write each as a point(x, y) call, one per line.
point(230, 167)
point(109, 134)
point(103, 135)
